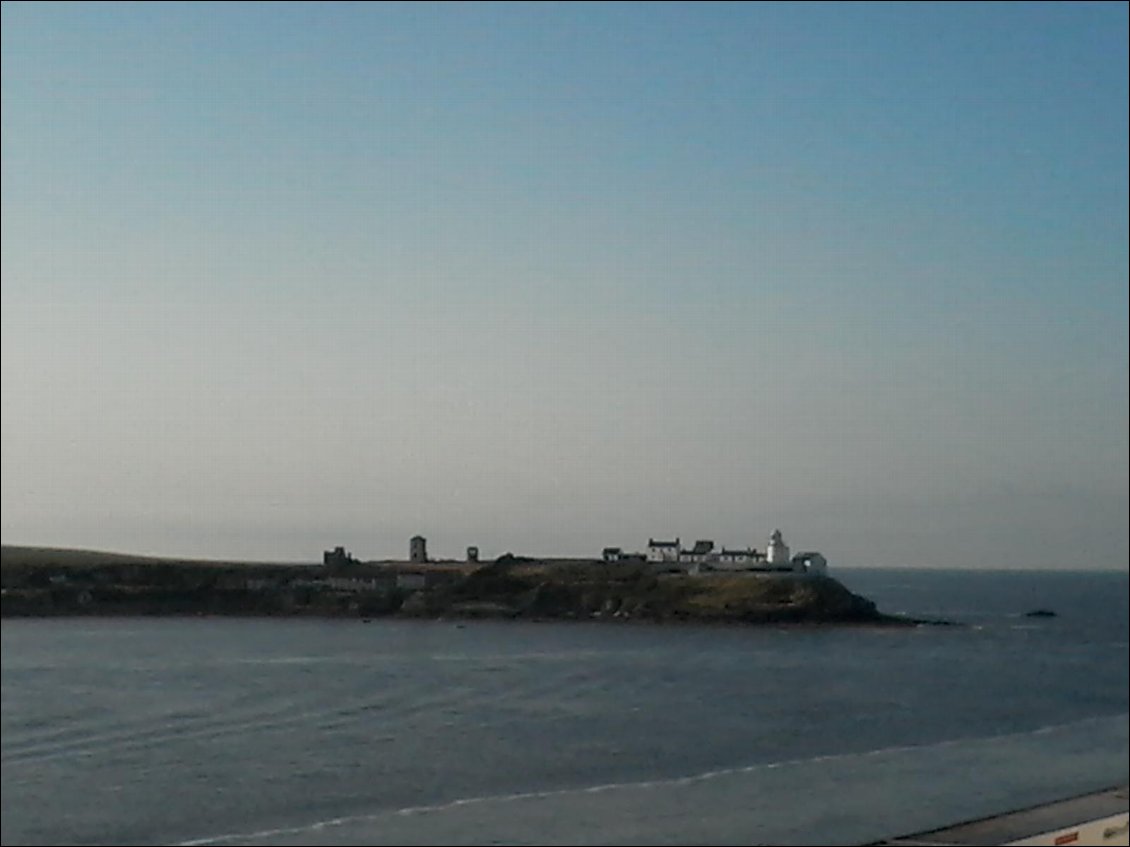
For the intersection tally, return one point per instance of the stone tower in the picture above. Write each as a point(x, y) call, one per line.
point(418, 549)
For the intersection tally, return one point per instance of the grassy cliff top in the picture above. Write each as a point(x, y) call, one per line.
point(14, 556)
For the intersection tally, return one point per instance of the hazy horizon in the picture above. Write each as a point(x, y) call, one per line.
point(545, 278)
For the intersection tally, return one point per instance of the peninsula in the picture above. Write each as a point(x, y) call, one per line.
point(38, 581)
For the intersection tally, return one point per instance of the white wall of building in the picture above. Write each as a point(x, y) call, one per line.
point(777, 558)
point(777, 552)
point(657, 553)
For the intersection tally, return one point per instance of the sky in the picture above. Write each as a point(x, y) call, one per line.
point(545, 278)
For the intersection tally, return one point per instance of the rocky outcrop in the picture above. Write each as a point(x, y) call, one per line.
point(598, 591)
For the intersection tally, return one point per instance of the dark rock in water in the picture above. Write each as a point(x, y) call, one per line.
point(1040, 613)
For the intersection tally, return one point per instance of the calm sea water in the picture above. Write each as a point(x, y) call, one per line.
point(230, 731)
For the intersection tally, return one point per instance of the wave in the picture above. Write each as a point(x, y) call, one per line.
point(1119, 720)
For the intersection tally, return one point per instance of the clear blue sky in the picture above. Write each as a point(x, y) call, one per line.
point(550, 277)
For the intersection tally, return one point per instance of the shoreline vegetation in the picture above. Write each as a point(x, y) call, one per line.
point(46, 582)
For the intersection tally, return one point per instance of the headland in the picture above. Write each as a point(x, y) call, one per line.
point(43, 582)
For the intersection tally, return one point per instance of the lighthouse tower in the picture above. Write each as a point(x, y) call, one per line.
point(778, 551)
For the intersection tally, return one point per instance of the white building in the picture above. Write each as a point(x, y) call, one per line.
point(749, 556)
point(703, 557)
point(777, 552)
point(733, 561)
point(664, 551)
point(703, 551)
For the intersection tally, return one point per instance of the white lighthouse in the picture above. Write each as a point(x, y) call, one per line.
point(778, 551)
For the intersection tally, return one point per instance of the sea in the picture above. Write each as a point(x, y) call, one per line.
point(201, 731)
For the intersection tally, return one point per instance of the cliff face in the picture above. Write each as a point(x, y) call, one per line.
point(599, 591)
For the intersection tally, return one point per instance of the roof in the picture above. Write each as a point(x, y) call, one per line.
point(702, 546)
point(651, 542)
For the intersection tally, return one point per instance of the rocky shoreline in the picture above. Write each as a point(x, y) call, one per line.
point(599, 592)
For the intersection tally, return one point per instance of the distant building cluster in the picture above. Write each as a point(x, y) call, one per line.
point(700, 557)
point(339, 557)
point(703, 556)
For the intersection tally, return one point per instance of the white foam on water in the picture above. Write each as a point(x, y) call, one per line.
point(692, 779)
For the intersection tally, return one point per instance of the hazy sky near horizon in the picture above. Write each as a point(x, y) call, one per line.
point(549, 277)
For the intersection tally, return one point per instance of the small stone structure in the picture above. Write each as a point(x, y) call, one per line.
point(472, 554)
point(810, 562)
point(418, 549)
point(337, 558)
